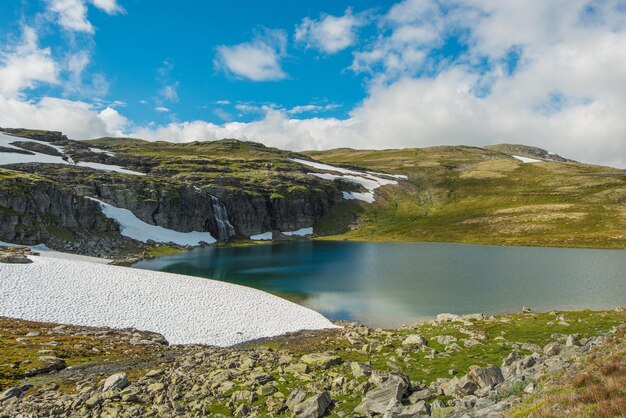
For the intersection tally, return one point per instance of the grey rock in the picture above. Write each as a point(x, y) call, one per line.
point(572, 341)
point(321, 360)
point(117, 381)
point(377, 400)
point(552, 349)
point(414, 340)
point(420, 395)
point(360, 370)
point(486, 376)
point(313, 407)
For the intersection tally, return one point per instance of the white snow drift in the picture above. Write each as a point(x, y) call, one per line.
point(133, 227)
point(302, 232)
point(186, 310)
point(526, 159)
point(37, 157)
point(368, 180)
point(265, 236)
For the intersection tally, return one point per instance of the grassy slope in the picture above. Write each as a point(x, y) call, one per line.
point(230, 163)
point(474, 195)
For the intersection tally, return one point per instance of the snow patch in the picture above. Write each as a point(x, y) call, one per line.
point(265, 236)
point(36, 157)
point(526, 159)
point(109, 167)
point(185, 310)
point(102, 151)
point(302, 232)
point(369, 180)
point(135, 228)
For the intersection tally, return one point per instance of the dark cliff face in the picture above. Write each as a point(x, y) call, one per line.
point(229, 188)
point(225, 212)
point(252, 213)
point(33, 211)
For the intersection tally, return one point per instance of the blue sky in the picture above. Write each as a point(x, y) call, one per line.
point(315, 75)
point(154, 44)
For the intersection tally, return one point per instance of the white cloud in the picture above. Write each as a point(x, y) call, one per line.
point(258, 60)
point(329, 33)
point(114, 123)
point(71, 15)
point(78, 120)
point(161, 109)
point(26, 65)
point(108, 6)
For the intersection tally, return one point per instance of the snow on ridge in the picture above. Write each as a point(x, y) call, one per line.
point(135, 228)
point(526, 159)
point(185, 310)
point(37, 157)
point(109, 167)
point(369, 180)
point(302, 232)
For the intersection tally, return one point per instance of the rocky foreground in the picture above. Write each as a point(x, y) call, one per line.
point(455, 366)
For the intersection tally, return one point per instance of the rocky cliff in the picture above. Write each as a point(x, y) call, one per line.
point(233, 190)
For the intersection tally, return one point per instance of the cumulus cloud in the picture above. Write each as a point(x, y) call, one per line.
point(258, 60)
point(72, 14)
point(79, 120)
point(26, 65)
point(329, 33)
point(161, 109)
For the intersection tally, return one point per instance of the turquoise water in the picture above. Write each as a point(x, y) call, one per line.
point(388, 284)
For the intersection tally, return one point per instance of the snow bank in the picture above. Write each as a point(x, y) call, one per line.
point(302, 232)
point(102, 151)
point(265, 236)
point(109, 167)
point(369, 180)
point(133, 227)
point(526, 159)
point(186, 310)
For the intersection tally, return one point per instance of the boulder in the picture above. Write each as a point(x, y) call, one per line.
point(321, 360)
point(377, 401)
point(48, 364)
point(572, 341)
point(313, 407)
point(116, 381)
point(420, 409)
point(414, 340)
point(552, 349)
point(486, 376)
point(360, 370)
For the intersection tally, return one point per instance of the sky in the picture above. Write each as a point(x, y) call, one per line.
point(325, 74)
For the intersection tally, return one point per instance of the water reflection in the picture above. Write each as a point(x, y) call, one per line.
point(386, 284)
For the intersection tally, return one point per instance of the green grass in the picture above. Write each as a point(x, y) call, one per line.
point(473, 195)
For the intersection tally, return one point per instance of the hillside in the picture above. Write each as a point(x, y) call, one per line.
point(482, 195)
point(235, 190)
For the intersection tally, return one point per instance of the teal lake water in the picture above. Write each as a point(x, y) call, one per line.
point(388, 284)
